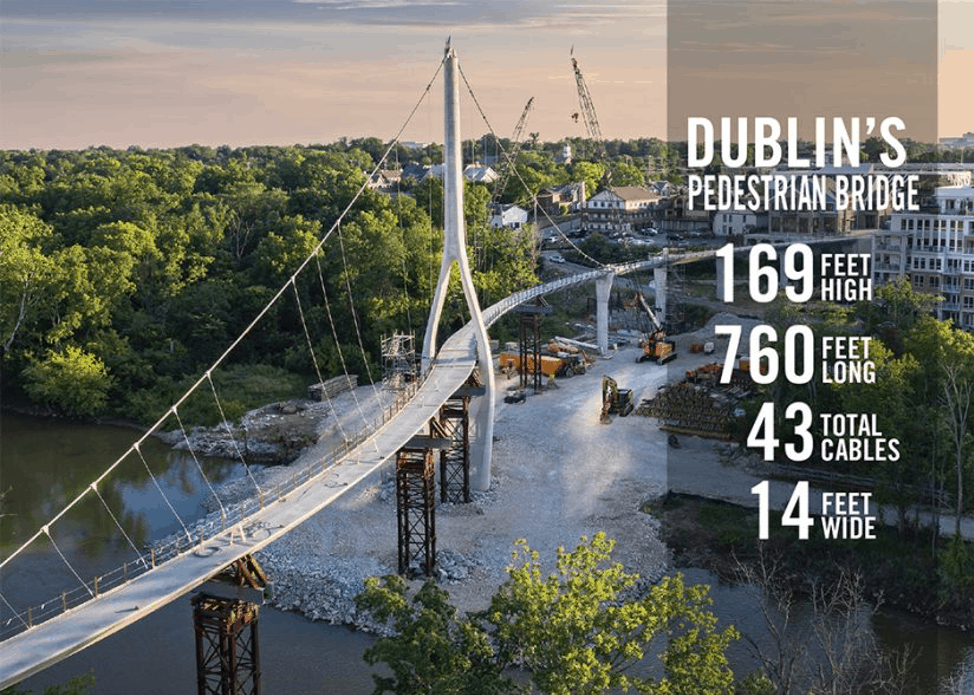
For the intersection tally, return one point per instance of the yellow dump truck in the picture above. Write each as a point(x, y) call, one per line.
point(550, 365)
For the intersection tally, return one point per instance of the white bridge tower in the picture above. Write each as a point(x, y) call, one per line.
point(455, 249)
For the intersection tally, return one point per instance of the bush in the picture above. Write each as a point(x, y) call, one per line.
point(72, 381)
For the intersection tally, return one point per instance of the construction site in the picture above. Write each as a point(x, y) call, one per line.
point(573, 455)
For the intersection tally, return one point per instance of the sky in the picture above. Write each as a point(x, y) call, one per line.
point(161, 73)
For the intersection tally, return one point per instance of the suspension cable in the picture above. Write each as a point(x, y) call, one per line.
point(155, 482)
point(111, 514)
point(246, 331)
point(334, 333)
point(351, 305)
point(47, 533)
point(189, 445)
point(12, 610)
point(314, 361)
point(534, 197)
point(226, 426)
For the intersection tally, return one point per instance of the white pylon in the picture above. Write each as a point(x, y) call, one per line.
point(455, 249)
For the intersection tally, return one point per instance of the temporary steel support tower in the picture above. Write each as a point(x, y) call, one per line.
point(415, 510)
point(455, 249)
point(454, 422)
point(227, 647)
point(530, 348)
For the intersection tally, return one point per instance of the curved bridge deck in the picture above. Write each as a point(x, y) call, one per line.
point(68, 633)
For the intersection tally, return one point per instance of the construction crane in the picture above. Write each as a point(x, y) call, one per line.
point(585, 101)
point(655, 345)
point(515, 149)
point(589, 116)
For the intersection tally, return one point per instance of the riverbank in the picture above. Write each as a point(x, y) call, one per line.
point(558, 474)
point(901, 572)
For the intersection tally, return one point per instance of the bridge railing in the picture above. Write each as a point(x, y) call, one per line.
point(231, 519)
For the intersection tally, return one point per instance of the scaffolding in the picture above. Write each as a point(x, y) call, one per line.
point(529, 345)
point(398, 361)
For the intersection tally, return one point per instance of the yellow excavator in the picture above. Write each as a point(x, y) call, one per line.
point(615, 401)
point(655, 345)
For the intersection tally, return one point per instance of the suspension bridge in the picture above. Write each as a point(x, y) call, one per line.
point(37, 636)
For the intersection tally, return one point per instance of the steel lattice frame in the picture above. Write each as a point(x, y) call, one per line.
point(227, 655)
point(415, 510)
point(530, 349)
point(455, 462)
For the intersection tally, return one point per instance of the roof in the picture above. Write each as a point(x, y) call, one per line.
point(634, 192)
point(562, 188)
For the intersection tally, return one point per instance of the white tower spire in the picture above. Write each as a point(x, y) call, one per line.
point(455, 249)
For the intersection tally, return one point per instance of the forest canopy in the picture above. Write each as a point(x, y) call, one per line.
point(125, 274)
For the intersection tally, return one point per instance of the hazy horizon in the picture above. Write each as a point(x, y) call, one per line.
point(161, 73)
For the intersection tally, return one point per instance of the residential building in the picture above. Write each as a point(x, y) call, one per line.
point(739, 223)
point(385, 180)
point(511, 216)
point(570, 196)
point(621, 210)
point(934, 247)
point(477, 173)
point(965, 140)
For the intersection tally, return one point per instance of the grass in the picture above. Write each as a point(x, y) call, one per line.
point(240, 388)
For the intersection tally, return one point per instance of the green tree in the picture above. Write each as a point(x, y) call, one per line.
point(72, 380)
point(627, 174)
point(25, 270)
point(576, 633)
point(79, 685)
point(434, 650)
point(589, 172)
point(892, 396)
point(947, 359)
point(893, 312)
point(575, 630)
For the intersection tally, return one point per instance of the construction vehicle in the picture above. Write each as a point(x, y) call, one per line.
point(561, 365)
point(655, 345)
point(571, 351)
point(615, 401)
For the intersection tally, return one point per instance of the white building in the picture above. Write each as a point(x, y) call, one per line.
point(509, 216)
point(965, 140)
point(935, 249)
point(477, 173)
point(621, 209)
point(739, 222)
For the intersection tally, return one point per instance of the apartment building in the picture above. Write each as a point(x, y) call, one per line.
point(621, 210)
point(934, 247)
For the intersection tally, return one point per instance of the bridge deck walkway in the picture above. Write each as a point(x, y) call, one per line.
point(47, 643)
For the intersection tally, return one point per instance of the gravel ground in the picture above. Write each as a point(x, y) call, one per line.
point(557, 475)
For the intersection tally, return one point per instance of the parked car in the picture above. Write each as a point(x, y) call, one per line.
point(557, 258)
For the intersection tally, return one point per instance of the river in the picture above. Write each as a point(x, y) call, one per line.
point(43, 462)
